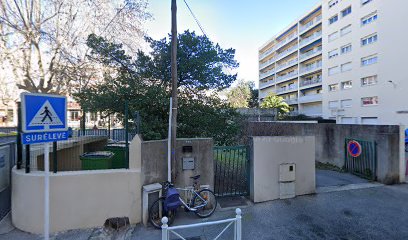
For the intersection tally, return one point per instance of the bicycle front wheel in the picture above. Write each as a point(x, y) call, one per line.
point(157, 212)
point(205, 203)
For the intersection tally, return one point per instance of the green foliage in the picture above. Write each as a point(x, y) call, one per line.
point(277, 102)
point(145, 85)
point(243, 95)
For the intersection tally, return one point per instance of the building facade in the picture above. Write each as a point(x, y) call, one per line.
point(362, 57)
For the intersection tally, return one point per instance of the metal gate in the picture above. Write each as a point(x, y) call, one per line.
point(231, 171)
point(361, 158)
point(7, 161)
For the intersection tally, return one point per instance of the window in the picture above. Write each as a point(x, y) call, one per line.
point(333, 53)
point(345, 30)
point(346, 12)
point(74, 115)
point(333, 104)
point(333, 70)
point(346, 49)
point(347, 103)
point(346, 67)
point(369, 101)
point(346, 85)
point(364, 2)
point(333, 87)
point(333, 36)
point(333, 19)
point(369, 60)
point(369, 19)
point(333, 3)
point(94, 116)
point(369, 39)
point(368, 81)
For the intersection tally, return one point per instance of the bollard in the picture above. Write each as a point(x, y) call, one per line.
point(239, 229)
point(165, 231)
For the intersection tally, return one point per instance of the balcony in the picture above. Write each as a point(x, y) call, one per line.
point(311, 53)
point(286, 76)
point(291, 101)
point(286, 64)
point(310, 98)
point(293, 87)
point(311, 23)
point(267, 63)
point(266, 84)
point(310, 82)
point(263, 55)
point(312, 67)
point(267, 74)
point(286, 40)
point(286, 52)
point(311, 38)
point(263, 94)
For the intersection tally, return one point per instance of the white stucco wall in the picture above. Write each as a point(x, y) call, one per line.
point(269, 152)
point(78, 199)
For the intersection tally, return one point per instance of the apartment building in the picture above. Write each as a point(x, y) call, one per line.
point(363, 55)
point(290, 64)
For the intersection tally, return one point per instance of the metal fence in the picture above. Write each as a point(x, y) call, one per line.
point(232, 222)
point(361, 158)
point(231, 176)
point(8, 129)
point(7, 162)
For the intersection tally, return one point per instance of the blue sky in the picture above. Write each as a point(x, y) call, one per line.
point(241, 24)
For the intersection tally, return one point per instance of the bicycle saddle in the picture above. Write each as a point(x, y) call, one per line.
point(196, 177)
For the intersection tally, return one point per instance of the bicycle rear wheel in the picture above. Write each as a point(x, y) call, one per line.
point(157, 212)
point(204, 210)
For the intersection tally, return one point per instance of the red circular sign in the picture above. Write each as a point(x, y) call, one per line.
point(354, 148)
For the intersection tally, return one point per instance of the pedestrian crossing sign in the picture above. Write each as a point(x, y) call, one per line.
point(43, 113)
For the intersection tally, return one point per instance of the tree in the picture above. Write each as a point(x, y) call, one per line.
point(145, 84)
point(43, 40)
point(276, 102)
point(243, 95)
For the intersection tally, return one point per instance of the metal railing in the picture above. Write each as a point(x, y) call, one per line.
point(363, 163)
point(267, 63)
point(265, 84)
point(311, 38)
point(311, 23)
point(311, 67)
point(309, 82)
point(286, 40)
point(269, 51)
point(310, 53)
point(232, 222)
point(310, 98)
point(286, 52)
point(286, 64)
point(8, 129)
point(267, 74)
point(280, 90)
point(286, 76)
point(291, 101)
point(7, 162)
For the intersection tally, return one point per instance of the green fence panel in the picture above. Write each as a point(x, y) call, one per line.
point(361, 158)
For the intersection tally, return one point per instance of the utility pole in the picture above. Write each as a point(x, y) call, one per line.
point(174, 85)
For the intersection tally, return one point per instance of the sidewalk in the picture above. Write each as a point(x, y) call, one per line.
point(372, 213)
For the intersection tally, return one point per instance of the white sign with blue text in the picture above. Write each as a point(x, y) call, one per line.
point(44, 118)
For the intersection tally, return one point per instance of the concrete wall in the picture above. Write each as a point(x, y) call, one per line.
point(266, 156)
point(78, 199)
point(154, 162)
point(330, 143)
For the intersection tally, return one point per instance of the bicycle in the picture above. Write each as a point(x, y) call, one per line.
point(202, 202)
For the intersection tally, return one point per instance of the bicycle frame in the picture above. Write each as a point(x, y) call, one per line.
point(192, 191)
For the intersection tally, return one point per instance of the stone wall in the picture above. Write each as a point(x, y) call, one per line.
point(330, 142)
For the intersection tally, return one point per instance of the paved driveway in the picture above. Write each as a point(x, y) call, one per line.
point(372, 213)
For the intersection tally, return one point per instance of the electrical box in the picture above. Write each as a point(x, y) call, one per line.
point(287, 172)
point(188, 163)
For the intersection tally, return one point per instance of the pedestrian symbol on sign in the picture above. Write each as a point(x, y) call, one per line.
point(45, 116)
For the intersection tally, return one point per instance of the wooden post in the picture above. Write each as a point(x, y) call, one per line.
point(174, 83)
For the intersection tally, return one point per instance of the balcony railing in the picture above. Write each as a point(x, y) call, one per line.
point(286, 64)
point(291, 101)
point(286, 89)
point(286, 76)
point(286, 52)
point(267, 74)
point(312, 67)
point(266, 63)
point(311, 23)
point(286, 40)
point(311, 38)
point(310, 53)
point(266, 84)
point(267, 52)
point(310, 98)
point(309, 82)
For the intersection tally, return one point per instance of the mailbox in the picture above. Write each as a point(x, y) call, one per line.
point(188, 163)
